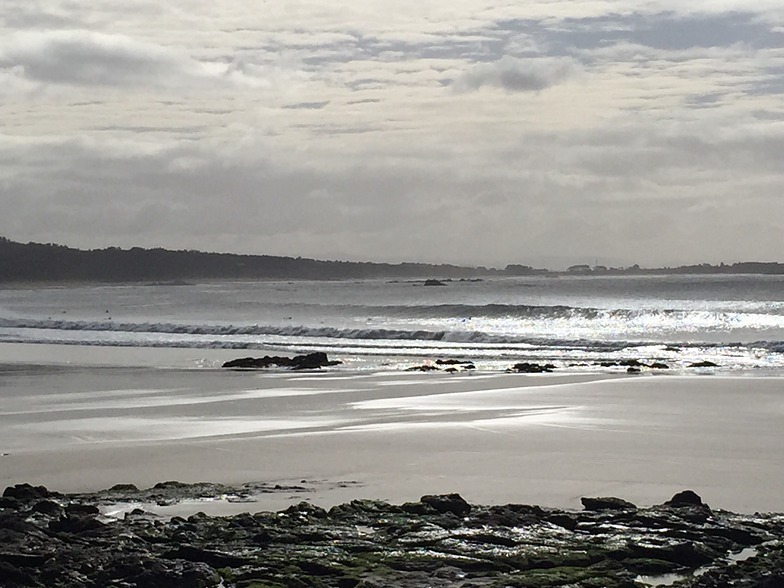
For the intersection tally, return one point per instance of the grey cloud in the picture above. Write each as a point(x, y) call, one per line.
point(86, 58)
point(654, 191)
point(665, 30)
point(517, 75)
point(308, 105)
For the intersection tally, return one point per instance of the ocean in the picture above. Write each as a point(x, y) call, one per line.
point(576, 323)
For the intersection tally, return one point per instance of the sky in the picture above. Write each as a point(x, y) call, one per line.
point(480, 132)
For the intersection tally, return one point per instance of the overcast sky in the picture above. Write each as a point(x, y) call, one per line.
point(542, 132)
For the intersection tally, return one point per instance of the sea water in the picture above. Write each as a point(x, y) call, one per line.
point(573, 322)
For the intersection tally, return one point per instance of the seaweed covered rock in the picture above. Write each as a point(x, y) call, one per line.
point(439, 541)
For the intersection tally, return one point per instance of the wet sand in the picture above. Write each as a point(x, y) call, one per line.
point(494, 438)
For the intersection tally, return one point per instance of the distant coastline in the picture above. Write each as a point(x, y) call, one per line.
point(49, 262)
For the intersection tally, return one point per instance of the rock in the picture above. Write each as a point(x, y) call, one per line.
point(445, 503)
point(26, 492)
point(310, 361)
point(440, 541)
point(9, 502)
point(606, 503)
point(216, 559)
point(75, 525)
point(702, 364)
point(531, 368)
point(452, 362)
point(657, 365)
point(170, 485)
point(633, 370)
point(48, 507)
point(423, 368)
point(306, 509)
point(685, 498)
point(13, 576)
point(120, 488)
point(432, 282)
point(631, 363)
point(77, 509)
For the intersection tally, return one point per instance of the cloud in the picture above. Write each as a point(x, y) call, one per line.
point(517, 74)
point(396, 131)
point(85, 58)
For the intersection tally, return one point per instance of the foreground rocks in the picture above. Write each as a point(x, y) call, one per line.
point(309, 361)
point(54, 540)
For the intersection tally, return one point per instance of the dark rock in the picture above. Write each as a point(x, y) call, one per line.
point(16, 523)
point(631, 363)
point(362, 507)
point(119, 488)
point(417, 508)
point(444, 503)
point(451, 361)
point(11, 576)
point(702, 364)
point(511, 515)
point(75, 525)
point(423, 368)
point(564, 520)
point(441, 541)
point(686, 554)
point(76, 509)
point(317, 568)
point(531, 368)
point(169, 485)
point(306, 509)
point(310, 361)
point(26, 492)
point(657, 365)
point(47, 507)
point(633, 370)
point(451, 370)
point(432, 282)
point(685, 498)
point(215, 559)
point(9, 502)
point(606, 503)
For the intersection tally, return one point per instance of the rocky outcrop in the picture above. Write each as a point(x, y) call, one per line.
point(634, 366)
point(439, 541)
point(299, 362)
point(685, 498)
point(703, 364)
point(531, 368)
point(606, 503)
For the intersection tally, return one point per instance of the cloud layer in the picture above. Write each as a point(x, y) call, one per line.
point(487, 133)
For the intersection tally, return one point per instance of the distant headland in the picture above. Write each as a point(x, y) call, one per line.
point(49, 262)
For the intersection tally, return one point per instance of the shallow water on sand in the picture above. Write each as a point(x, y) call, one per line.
point(84, 424)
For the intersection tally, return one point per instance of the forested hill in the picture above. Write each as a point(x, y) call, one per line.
point(21, 262)
point(36, 262)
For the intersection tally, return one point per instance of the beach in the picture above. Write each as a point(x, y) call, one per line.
point(96, 418)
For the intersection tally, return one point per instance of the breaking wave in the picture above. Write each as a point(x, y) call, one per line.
point(245, 336)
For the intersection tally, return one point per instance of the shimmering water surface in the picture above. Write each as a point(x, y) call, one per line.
point(573, 322)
